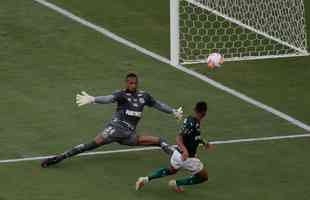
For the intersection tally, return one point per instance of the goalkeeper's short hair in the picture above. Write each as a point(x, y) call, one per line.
point(131, 75)
point(201, 107)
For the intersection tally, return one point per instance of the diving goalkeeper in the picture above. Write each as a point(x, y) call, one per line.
point(122, 128)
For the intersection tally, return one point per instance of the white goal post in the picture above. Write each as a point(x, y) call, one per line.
point(238, 29)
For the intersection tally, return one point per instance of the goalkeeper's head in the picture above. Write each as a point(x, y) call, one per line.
point(201, 109)
point(131, 82)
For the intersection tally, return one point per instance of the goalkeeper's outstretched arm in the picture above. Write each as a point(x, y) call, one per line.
point(84, 99)
point(104, 99)
point(163, 107)
point(178, 113)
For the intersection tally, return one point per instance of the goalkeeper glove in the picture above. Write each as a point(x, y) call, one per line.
point(178, 114)
point(84, 98)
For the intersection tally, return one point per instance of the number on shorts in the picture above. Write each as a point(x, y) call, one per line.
point(108, 131)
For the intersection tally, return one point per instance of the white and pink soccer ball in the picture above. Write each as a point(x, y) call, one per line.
point(215, 60)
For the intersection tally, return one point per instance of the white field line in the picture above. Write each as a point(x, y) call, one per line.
point(186, 62)
point(179, 67)
point(247, 140)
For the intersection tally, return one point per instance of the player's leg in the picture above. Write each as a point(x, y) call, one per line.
point(200, 175)
point(155, 175)
point(104, 137)
point(147, 140)
point(198, 178)
point(176, 163)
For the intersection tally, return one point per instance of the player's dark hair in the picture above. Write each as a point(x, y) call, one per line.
point(131, 75)
point(201, 107)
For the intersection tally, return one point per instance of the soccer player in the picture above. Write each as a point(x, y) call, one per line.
point(122, 128)
point(184, 155)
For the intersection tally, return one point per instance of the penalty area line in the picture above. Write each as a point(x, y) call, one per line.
point(246, 140)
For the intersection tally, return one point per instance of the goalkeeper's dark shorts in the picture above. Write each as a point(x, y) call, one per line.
point(120, 134)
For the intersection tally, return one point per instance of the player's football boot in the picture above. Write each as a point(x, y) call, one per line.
point(51, 161)
point(141, 182)
point(175, 187)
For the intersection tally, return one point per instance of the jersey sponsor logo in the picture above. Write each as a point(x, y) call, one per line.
point(133, 113)
point(128, 94)
point(135, 105)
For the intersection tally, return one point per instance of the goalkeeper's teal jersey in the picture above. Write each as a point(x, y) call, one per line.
point(190, 132)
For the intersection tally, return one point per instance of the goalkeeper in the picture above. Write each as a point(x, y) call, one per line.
point(122, 128)
point(184, 156)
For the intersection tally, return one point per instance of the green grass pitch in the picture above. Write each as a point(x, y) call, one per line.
point(45, 59)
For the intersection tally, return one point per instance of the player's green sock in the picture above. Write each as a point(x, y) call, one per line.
point(161, 173)
point(190, 180)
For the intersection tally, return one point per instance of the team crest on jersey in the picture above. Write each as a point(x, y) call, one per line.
point(198, 137)
point(141, 100)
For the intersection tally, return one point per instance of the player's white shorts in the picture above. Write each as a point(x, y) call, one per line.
point(194, 165)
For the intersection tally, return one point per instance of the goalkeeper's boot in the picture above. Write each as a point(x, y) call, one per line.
point(141, 182)
point(52, 161)
point(175, 187)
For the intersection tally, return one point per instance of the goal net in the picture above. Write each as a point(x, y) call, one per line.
point(238, 29)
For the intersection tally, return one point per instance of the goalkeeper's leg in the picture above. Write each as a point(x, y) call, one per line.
point(99, 141)
point(146, 140)
point(104, 137)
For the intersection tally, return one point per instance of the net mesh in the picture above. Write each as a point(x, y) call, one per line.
point(241, 28)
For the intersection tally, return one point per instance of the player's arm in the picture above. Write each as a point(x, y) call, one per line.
point(161, 106)
point(84, 99)
point(207, 145)
point(180, 143)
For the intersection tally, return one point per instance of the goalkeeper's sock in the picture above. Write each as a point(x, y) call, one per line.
point(167, 148)
point(80, 149)
point(161, 173)
point(196, 179)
